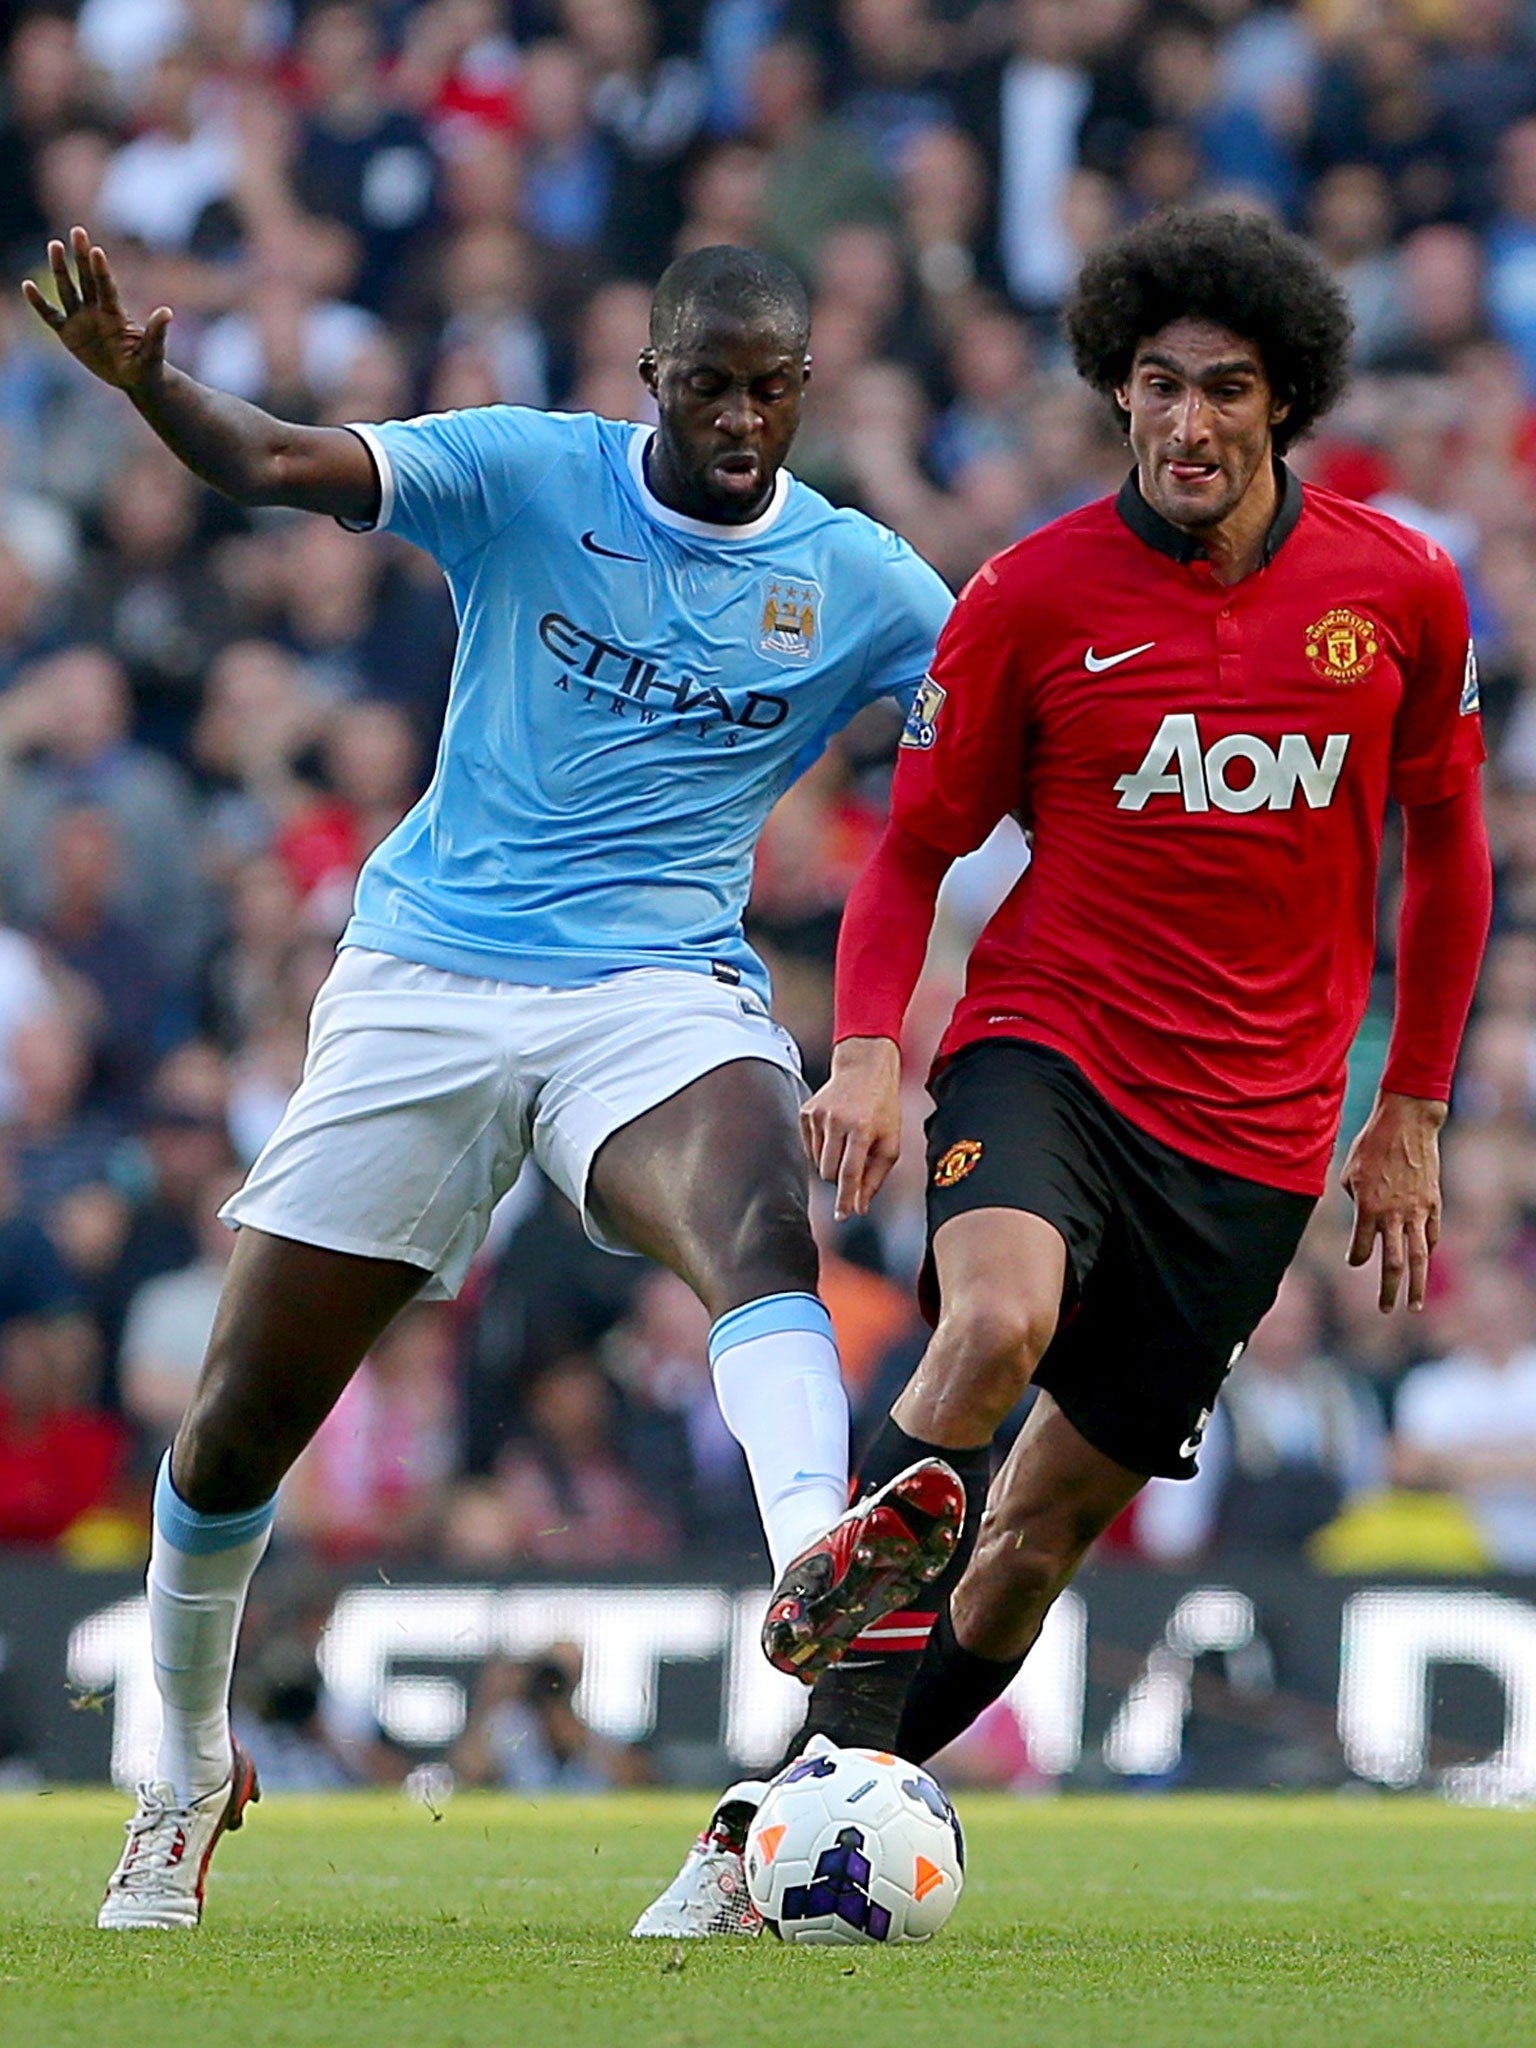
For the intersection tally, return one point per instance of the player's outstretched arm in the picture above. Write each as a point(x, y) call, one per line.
point(237, 448)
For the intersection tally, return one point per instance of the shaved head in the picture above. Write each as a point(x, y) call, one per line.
point(723, 282)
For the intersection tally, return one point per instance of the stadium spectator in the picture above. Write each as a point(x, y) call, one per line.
point(279, 1718)
point(674, 1434)
point(942, 186)
point(145, 593)
point(65, 738)
point(1349, 216)
point(525, 1735)
point(46, 89)
point(540, 1291)
point(1466, 1423)
point(819, 174)
point(158, 188)
point(126, 1235)
point(566, 176)
point(59, 1455)
point(360, 160)
point(110, 957)
point(561, 1495)
point(58, 1144)
point(168, 1324)
point(1293, 1438)
point(372, 1482)
point(1026, 109)
point(648, 104)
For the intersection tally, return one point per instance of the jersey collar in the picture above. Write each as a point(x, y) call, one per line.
point(701, 529)
point(1173, 541)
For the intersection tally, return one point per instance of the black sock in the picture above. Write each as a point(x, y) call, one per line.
point(862, 1706)
point(951, 1687)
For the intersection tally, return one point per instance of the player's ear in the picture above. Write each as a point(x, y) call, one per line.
point(646, 366)
point(805, 374)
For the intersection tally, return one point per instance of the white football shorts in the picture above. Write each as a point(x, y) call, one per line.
point(423, 1092)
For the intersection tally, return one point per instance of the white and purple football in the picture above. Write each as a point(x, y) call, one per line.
point(853, 1846)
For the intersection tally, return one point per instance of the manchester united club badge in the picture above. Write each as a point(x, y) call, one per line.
point(957, 1162)
point(1343, 646)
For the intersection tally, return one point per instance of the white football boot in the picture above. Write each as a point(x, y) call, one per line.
point(159, 1878)
point(709, 1894)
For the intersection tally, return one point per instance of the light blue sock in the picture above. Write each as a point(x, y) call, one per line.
point(780, 1389)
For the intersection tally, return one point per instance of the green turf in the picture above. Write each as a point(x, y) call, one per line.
point(1274, 1923)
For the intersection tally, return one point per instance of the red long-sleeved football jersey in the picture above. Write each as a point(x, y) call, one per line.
point(1204, 771)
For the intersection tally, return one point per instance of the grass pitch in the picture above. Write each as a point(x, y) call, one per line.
point(1086, 1923)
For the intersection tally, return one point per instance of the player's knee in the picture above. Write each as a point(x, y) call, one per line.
point(996, 1340)
point(769, 1251)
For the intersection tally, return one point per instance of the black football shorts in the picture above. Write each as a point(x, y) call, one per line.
point(1170, 1263)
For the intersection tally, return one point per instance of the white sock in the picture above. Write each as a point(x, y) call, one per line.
point(199, 1569)
point(780, 1390)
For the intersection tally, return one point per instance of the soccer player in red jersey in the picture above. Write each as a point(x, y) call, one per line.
point(1197, 697)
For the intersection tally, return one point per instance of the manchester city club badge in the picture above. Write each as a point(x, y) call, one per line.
point(789, 623)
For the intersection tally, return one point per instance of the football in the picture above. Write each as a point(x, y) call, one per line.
point(854, 1845)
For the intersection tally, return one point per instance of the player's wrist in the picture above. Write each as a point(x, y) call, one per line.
point(866, 1053)
point(1429, 1110)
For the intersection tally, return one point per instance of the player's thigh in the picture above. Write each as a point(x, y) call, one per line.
point(294, 1322)
point(670, 1118)
point(1009, 1138)
point(1000, 1276)
point(713, 1182)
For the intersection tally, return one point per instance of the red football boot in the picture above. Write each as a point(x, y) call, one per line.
point(871, 1562)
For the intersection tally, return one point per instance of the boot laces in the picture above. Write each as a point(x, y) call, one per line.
point(157, 1840)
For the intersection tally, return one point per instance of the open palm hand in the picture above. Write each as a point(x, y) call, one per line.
point(90, 321)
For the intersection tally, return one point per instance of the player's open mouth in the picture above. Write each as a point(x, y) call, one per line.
point(1193, 472)
point(738, 472)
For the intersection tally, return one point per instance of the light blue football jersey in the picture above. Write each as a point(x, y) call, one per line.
point(632, 692)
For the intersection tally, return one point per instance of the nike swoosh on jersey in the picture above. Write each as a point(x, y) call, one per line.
point(594, 546)
point(1097, 663)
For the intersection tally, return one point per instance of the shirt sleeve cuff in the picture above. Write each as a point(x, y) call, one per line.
point(386, 475)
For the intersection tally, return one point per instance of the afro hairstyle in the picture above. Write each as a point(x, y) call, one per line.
point(1235, 270)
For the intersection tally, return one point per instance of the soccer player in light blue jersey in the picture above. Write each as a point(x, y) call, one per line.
point(656, 632)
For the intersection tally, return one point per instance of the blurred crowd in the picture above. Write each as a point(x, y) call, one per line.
point(207, 719)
